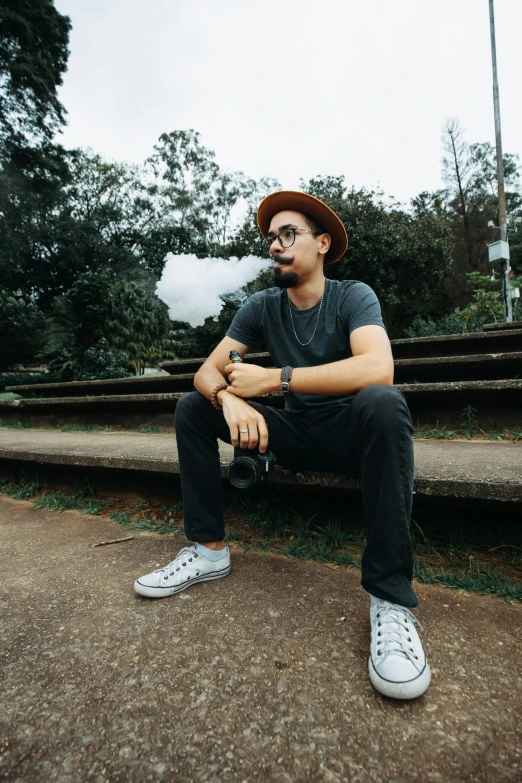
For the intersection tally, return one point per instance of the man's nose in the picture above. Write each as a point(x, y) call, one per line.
point(276, 247)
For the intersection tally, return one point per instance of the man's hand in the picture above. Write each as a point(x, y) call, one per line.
point(247, 426)
point(250, 380)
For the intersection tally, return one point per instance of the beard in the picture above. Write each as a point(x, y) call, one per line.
point(284, 279)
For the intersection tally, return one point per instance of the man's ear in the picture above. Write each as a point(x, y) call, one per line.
point(325, 241)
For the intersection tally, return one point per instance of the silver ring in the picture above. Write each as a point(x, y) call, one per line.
point(243, 430)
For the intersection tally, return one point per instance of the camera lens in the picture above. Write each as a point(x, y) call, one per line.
point(243, 472)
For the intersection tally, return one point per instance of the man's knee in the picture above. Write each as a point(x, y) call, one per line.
point(383, 404)
point(192, 404)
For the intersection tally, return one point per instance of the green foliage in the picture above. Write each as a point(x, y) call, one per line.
point(77, 322)
point(201, 340)
point(454, 323)
point(21, 325)
point(33, 57)
point(83, 239)
point(100, 361)
point(485, 303)
point(139, 324)
point(108, 328)
point(24, 379)
point(31, 182)
point(195, 194)
point(469, 420)
point(471, 200)
point(486, 306)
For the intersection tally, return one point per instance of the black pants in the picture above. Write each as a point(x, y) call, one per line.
point(370, 437)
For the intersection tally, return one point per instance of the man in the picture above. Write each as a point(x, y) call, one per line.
point(342, 413)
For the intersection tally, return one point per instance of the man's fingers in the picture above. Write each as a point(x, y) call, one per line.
point(253, 438)
point(244, 436)
point(263, 436)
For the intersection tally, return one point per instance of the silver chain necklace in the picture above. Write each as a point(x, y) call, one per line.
point(316, 323)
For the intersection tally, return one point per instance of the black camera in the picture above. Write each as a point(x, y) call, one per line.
point(249, 467)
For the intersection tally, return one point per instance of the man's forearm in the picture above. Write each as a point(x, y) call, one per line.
point(207, 378)
point(347, 376)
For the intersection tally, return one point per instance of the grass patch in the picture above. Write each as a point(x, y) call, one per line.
point(21, 425)
point(442, 433)
point(448, 559)
point(275, 526)
point(470, 430)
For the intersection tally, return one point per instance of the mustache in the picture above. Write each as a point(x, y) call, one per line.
point(282, 261)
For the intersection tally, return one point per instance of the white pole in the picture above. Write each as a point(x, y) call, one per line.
point(502, 212)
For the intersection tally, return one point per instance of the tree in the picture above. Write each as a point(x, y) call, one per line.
point(95, 217)
point(194, 194)
point(104, 314)
point(457, 168)
point(77, 321)
point(186, 175)
point(139, 324)
point(21, 325)
point(469, 172)
point(33, 58)
point(31, 183)
point(34, 38)
point(485, 305)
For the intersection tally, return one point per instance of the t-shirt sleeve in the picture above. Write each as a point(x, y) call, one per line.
point(246, 325)
point(360, 307)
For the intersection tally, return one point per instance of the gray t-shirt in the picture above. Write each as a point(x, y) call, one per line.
point(265, 317)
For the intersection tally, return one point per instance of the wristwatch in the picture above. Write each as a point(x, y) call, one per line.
point(286, 375)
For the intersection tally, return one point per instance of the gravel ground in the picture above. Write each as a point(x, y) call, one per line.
point(259, 676)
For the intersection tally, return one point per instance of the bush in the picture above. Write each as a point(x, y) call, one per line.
point(24, 379)
point(21, 325)
point(101, 362)
point(454, 323)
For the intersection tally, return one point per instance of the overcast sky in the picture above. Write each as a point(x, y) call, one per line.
point(294, 88)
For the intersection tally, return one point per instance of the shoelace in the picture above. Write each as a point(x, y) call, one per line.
point(395, 639)
point(182, 559)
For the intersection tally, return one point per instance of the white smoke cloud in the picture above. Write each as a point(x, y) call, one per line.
point(195, 288)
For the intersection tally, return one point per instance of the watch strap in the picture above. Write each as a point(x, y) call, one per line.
point(286, 375)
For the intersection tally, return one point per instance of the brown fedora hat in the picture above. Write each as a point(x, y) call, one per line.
point(309, 205)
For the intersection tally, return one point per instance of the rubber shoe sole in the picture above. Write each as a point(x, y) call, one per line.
point(165, 592)
point(410, 689)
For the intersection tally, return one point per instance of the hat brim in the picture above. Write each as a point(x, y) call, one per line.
point(309, 205)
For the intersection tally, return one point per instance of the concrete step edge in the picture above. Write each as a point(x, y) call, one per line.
point(498, 487)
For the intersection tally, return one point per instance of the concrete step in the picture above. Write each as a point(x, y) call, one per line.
point(476, 367)
point(491, 366)
point(407, 348)
point(467, 470)
point(502, 326)
point(118, 386)
point(458, 344)
point(498, 403)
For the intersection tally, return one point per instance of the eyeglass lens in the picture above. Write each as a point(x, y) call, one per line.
point(286, 238)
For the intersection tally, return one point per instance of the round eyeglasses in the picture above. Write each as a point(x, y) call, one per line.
point(286, 237)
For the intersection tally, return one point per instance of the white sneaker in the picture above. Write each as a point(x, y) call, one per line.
point(186, 569)
point(397, 664)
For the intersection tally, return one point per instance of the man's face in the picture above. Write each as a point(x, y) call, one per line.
point(293, 265)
